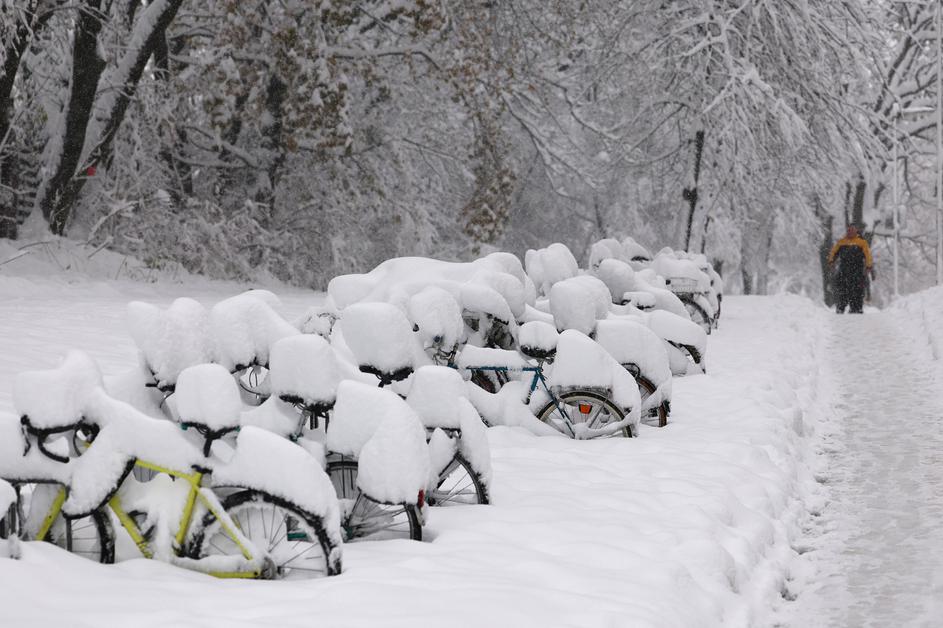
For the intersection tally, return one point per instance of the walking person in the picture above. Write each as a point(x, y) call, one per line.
point(852, 257)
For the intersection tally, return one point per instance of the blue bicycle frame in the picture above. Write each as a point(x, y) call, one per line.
point(538, 377)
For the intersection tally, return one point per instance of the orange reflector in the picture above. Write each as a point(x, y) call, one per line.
point(585, 408)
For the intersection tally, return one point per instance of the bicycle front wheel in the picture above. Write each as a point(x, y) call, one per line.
point(363, 519)
point(296, 544)
point(458, 484)
point(657, 416)
point(586, 412)
point(698, 315)
point(91, 536)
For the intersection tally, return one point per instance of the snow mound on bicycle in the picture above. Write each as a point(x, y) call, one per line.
point(581, 363)
point(55, 399)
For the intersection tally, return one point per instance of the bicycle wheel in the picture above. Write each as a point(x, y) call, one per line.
point(657, 416)
point(588, 411)
point(363, 519)
point(91, 536)
point(254, 384)
point(297, 545)
point(489, 381)
point(459, 484)
point(8, 522)
point(698, 315)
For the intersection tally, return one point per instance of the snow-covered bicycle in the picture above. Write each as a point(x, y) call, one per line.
point(235, 516)
point(342, 417)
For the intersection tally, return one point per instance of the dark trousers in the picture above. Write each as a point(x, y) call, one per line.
point(850, 294)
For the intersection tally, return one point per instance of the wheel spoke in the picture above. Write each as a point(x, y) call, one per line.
point(591, 422)
point(271, 527)
point(301, 553)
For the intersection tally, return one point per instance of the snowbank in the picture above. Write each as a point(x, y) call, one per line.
point(927, 308)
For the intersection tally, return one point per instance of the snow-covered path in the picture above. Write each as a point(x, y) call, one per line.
point(881, 561)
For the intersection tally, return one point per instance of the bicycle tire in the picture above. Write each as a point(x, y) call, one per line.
point(697, 314)
point(91, 536)
point(691, 353)
point(459, 484)
point(489, 381)
point(7, 522)
point(659, 413)
point(288, 527)
point(253, 382)
point(574, 397)
point(365, 519)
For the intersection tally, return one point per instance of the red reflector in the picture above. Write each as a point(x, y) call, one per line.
point(585, 408)
point(421, 499)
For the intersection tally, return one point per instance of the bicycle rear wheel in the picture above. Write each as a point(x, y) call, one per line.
point(363, 519)
point(588, 411)
point(296, 544)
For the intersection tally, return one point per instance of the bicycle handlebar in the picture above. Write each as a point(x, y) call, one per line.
point(41, 435)
point(209, 435)
point(505, 369)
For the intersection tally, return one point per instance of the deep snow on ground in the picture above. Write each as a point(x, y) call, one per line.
point(877, 549)
point(689, 525)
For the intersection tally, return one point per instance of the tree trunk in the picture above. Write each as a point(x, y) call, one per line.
point(153, 23)
point(272, 141)
point(857, 206)
point(707, 225)
point(756, 243)
point(826, 221)
point(747, 279)
point(173, 139)
point(32, 22)
point(762, 274)
point(87, 68)
point(690, 193)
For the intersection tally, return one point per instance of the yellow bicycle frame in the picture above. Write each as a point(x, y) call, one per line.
point(194, 480)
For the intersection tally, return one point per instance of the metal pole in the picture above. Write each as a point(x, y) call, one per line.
point(939, 142)
point(896, 213)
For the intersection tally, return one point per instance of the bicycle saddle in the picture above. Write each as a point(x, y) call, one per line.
point(538, 340)
point(209, 434)
point(387, 377)
point(303, 371)
point(208, 400)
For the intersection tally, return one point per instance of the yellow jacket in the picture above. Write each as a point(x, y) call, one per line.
point(856, 241)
